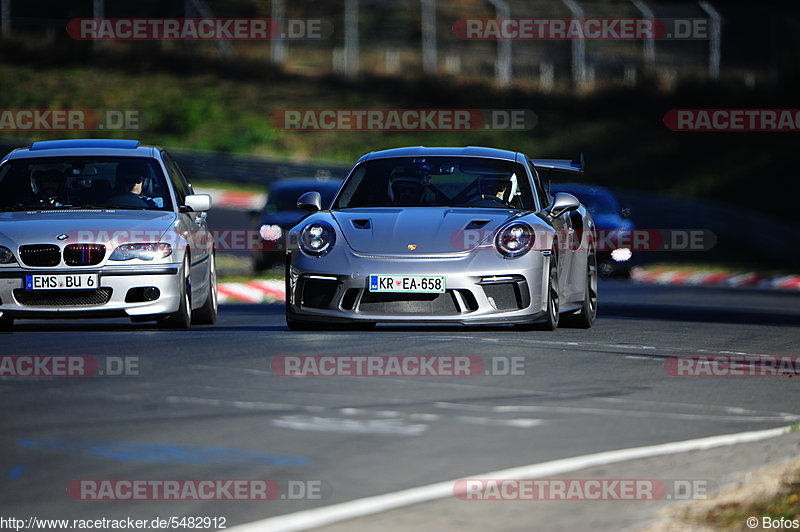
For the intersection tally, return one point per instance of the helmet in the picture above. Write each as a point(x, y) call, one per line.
point(408, 188)
point(47, 183)
point(493, 185)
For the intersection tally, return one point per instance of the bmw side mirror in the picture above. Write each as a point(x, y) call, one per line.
point(198, 202)
point(310, 201)
point(562, 203)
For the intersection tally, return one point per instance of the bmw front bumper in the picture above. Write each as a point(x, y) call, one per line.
point(123, 291)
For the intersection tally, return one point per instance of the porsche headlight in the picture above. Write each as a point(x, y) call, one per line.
point(143, 251)
point(317, 238)
point(515, 239)
point(6, 256)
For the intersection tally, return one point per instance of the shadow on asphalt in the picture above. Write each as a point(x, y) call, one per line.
point(699, 314)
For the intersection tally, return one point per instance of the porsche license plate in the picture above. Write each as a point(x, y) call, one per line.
point(420, 284)
point(77, 281)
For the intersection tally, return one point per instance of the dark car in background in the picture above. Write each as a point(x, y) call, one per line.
point(281, 213)
point(613, 226)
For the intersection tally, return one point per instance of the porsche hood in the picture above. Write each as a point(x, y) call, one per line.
point(419, 230)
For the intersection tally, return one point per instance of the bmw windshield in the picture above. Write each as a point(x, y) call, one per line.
point(437, 182)
point(50, 183)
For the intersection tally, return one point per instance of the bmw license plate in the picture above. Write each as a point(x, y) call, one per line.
point(78, 281)
point(421, 284)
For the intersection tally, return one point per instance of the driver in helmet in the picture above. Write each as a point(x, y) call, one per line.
point(494, 187)
point(48, 185)
point(408, 190)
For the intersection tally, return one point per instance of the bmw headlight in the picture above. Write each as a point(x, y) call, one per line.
point(317, 238)
point(515, 239)
point(6, 257)
point(144, 251)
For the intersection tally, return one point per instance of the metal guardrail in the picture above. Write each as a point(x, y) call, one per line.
point(238, 168)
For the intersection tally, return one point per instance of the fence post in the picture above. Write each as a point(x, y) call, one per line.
point(649, 44)
point(277, 46)
point(578, 48)
point(429, 53)
point(224, 46)
point(5, 19)
point(351, 38)
point(714, 50)
point(98, 11)
point(502, 71)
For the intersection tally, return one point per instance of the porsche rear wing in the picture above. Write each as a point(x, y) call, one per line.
point(575, 166)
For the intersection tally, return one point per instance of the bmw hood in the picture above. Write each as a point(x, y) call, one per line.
point(419, 230)
point(42, 227)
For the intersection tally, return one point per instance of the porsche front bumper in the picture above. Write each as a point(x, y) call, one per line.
point(481, 288)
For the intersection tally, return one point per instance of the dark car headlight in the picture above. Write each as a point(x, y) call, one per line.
point(317, 238)
point(6, 256)
point(143, 251)
point(515, 239)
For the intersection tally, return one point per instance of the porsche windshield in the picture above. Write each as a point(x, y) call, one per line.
point(437, 182)
point(83, 183)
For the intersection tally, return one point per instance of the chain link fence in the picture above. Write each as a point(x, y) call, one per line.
point(751, 43)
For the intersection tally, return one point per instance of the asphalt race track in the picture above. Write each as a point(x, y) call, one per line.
point(206, 404)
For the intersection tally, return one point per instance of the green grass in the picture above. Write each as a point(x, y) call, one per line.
point(732, 516)
point(228, 106)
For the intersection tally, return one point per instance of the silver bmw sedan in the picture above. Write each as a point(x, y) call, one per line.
point(103, 228)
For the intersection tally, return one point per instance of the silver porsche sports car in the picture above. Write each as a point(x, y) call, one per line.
point(94, 228)
point(443, 235)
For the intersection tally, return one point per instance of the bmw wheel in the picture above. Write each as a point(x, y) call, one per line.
point(207, 314)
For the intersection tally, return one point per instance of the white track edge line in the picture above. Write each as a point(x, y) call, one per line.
point(335, 513)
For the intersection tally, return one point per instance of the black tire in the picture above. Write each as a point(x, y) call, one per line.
point(6, 324)
point(182, 319)
point(551, 323)
point(207, 314)
point(584, 317)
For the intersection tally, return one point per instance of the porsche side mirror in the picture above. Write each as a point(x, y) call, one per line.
point(310, 201)
point(562, 203)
